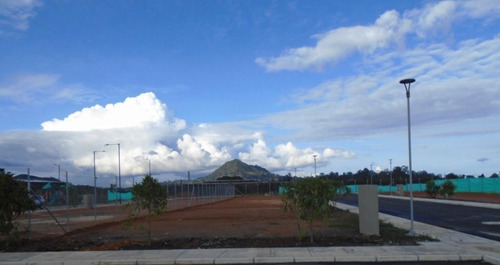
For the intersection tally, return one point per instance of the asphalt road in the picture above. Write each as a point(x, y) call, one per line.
point(478, 221)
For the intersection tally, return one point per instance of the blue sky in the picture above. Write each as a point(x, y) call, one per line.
point(193, 84)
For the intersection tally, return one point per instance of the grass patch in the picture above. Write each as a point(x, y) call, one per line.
point(345, 224)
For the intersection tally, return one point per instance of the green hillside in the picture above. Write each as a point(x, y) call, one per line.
point(236, 168)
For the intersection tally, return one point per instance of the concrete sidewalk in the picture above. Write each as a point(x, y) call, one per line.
point(453, 246)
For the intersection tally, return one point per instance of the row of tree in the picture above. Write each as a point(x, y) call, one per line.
point(400, 175)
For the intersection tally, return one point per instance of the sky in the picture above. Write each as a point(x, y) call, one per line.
point(189, 85)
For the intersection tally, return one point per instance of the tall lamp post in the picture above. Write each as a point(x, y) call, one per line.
point(119, 172)
point(407, 83)
point(149, 162)
point(58, 171)
point(371, 174)
point(390, 172)
point(95, 189)
point(315, 164)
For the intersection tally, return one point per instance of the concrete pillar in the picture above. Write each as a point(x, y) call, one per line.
point(368, 210)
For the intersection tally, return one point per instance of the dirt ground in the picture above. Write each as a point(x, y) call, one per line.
point(248, 221)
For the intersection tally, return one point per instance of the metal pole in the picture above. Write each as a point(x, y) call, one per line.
point(371, 176)
point(390, 181)
point(95, 188)
point(315, 165)
point(58, 171)
point(119, 172)
point(29, 212)
point(67, 202)
point(407, 84)
point(95, 192)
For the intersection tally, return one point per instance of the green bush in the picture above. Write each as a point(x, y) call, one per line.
point(431, 188)
point(151, 196)
point(14, 201)
point(447, 189)
point(309, 199)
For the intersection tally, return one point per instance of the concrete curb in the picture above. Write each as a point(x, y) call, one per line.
point(453, 246)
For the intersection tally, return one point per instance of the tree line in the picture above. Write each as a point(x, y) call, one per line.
point(400, 175)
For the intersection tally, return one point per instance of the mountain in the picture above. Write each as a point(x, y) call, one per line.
point(236, 168)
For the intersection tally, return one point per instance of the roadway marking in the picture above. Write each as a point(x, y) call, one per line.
point(491, 223)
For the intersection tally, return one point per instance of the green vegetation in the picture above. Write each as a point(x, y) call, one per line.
point(237, 168)
point(446, 189)
point(309, 199)
point(151, 196)
point(431, 188)
point(14, 201)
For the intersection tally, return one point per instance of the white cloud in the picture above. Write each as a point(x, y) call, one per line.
point(389, 29)
point(488, 9)
point(148, 132)
point(287, 156)
point(434, 18)
point(44, 89)
point(338, 44)
point(15, 14)
point(449, 80)
point(141, 111)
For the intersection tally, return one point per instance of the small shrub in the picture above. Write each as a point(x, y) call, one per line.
point(447, 189)
point(431, 188)
point(309, 199)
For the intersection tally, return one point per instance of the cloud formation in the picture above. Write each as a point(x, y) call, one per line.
point(148, 132)
point(338, 44)
point(44, 89)
point(389, 30)
point(15, 14)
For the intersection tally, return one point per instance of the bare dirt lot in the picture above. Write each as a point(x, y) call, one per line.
point(251, 221)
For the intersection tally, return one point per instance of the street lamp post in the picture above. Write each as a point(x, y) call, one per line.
point(95, 189)
point(390, 172)
point(119, 172)
point(371, 174)
point(315, 164)
point(407, 83)
point(58, 171)
point(149, 163)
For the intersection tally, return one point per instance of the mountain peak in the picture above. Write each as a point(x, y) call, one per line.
point(237, 168)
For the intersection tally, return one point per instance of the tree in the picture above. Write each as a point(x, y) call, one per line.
point(309, 199)
point(431, 188)
point(451, 176)
point(14, 201)
point(151, 196)
point(447, 189)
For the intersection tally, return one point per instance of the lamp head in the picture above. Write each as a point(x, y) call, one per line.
point(407, 81)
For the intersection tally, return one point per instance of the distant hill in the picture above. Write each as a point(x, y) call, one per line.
point(236, 169)
point(24, 177)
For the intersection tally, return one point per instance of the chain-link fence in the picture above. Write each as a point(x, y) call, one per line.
point(67, 208)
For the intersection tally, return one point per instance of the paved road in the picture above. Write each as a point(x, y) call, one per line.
point(479, 221)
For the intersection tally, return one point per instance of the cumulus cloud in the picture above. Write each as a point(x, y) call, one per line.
point(287, 156)
point(338, 44)
point(390, 29)
point(148, 132)
point(16, 14)
point(141, 111)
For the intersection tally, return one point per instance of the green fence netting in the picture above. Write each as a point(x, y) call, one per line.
point(479, 185)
